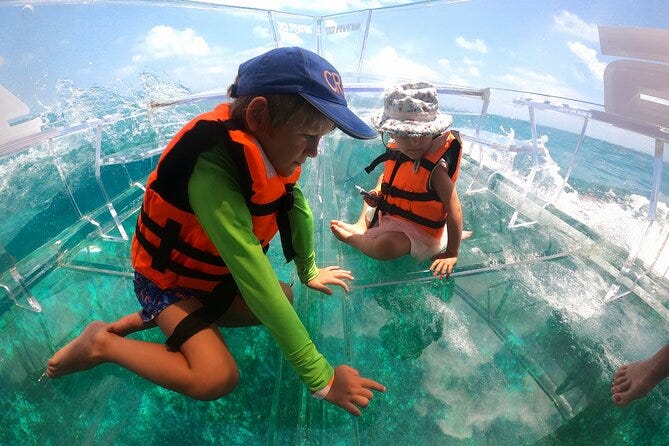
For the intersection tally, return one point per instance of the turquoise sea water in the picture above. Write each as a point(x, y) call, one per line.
point(516, 349)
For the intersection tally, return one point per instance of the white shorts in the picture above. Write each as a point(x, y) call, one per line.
point(423, 245)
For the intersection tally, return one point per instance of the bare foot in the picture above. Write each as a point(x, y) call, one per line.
point(635, 380)
point(129, 324)
point(79, 354)
point(466, 235)
point(343, 231)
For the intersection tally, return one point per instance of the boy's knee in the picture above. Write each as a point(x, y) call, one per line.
point(226, 383)
point(216, 385)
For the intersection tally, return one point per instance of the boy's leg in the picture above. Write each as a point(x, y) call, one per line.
point(129, 324)
point(635, 380)
point(239, 314)
point(202, 368)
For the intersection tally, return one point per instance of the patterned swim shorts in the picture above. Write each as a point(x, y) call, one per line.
point(154, 300)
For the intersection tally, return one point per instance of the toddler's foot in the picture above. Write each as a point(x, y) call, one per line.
point(343, 231)
point(79, 354)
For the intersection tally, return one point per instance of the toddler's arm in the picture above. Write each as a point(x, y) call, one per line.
point(444, 262)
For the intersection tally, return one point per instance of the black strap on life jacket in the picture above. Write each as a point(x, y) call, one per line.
point(281, 206)
point(395, 155)
point(398, 157)
point(452, 155)
point(391, 209)
point(382, 202)
point(391, 191)
point(388, 189)
point(169, 241)
point(214, 305)
point(283, 221)
point(176, 167)
point(172, 184)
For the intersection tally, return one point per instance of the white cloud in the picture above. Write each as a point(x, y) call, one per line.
point(451, 75)
point(471, 62)
point(472, 66)
point(475, 45)
point(163, 42)
point(125, 71)
point(570, 23)
point(309, 6)
point(184, 55)
point(388, 61)
point(454, 79)
point(523, 79)
point(261, 32)
point(289, 39)
point(579, 75)
point(589, 57)
point(445, 64)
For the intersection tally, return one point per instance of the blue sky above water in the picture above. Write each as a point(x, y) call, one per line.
point(547, 46)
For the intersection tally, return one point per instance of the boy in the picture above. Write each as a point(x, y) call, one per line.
point(224, 186)
point(415, 197)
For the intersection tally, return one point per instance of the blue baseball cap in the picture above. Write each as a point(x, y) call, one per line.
point(294, 70)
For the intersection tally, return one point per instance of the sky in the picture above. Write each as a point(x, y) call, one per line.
point(49, 48)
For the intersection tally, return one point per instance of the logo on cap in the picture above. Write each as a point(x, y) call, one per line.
point(334, 81)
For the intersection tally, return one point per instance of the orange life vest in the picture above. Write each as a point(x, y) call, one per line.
point(170, 247)
point(405, 188)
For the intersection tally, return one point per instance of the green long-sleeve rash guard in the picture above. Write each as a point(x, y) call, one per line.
point(216, 198)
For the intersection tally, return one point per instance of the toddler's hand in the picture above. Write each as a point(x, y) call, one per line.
point(372, 199)
point(443, 267)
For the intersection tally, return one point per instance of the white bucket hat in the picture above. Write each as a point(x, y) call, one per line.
point(411, 109)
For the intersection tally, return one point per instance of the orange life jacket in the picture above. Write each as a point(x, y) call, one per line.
point(405, 188)
point(170, 247)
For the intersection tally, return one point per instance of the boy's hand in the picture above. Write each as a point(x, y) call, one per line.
point(330, 275)
point(351, 391)
point(443, 267)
